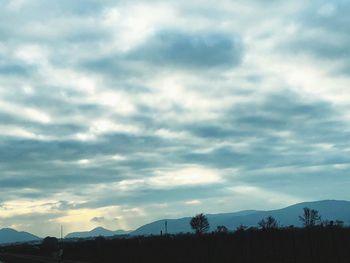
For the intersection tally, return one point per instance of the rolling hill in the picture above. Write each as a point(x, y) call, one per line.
point(9, 235)
point(99, 231)
point(328, 209)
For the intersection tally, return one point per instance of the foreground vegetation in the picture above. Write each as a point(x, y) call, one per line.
point(328, 244)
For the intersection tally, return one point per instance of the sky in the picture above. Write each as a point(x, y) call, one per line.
point(118, 113)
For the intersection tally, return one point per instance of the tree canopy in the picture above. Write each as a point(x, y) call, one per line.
point(199, 223)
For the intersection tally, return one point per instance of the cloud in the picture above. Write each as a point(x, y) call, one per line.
point(109, 223)
point(174, 49)
point(97, 219)
point(108, 107)
point(280, 130)
point(184, 177)
point(321, 32)
point(193, 202)
point(190, 51)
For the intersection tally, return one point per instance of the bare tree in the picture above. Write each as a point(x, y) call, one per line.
point(200, 224)
point(268, 223)
point(310, 217)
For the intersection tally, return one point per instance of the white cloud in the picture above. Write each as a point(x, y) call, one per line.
point(184, 177)
point(18, 132)
point(193, 202)
point(32, 54)
point(132, 24)
point(32, 114)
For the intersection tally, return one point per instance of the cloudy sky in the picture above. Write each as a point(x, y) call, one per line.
point(117, 113)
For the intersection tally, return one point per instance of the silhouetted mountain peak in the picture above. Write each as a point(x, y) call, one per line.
point(99, 228)
point(9, 235)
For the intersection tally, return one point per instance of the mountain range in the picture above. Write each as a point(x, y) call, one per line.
point(328, 209)
point(99, 231)
point(8, 235)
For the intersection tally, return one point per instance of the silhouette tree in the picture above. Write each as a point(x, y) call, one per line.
point(49, 245)
point(241, 228)
point(221, 229)
point(339, 223)
point(310, 217)
point(200, 224)
point(268, 223)
point(332, 223)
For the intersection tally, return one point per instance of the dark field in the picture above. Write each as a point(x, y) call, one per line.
point(289, 245)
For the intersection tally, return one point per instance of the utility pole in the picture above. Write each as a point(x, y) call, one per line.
point(60, 247)
point(166, 227)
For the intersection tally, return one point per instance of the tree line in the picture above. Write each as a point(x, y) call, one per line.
point(270, 243)
point(310, 218)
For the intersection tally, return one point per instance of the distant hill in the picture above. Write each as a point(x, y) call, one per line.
point(99, 231)
point(8, 235)
point(328, 209)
